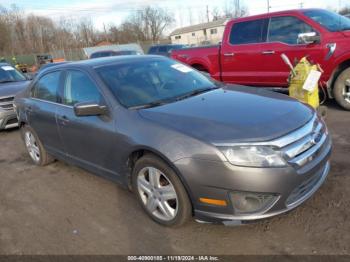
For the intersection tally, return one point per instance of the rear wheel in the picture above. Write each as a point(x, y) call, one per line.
point(342, 89)
point(34, 147)
point(160, 192)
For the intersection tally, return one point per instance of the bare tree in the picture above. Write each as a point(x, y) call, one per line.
point(4, 31)
point(25, 34)
point(156, 20)
point(235, 9)
point(216, 14)
point(345, 10)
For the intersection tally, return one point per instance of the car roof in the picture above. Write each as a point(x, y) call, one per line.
point(104, 61)
point(278, 13)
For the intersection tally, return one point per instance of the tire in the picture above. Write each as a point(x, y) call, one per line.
point(341, 86)
point(151, 195)
point(35, 148)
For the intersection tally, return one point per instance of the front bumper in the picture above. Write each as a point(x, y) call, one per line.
point(8, 119)
point(292, 185)
point(237, 220)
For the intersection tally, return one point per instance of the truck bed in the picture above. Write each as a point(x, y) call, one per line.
point(204, 58)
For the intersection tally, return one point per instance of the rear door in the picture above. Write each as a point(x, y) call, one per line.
point(241, 58)
point(283, 38)
point(41, 110)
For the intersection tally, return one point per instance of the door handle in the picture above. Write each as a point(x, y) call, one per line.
point(229, 54)
point(268, 52)
point(63, 120)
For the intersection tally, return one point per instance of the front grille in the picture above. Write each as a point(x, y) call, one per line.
point(306, 187)
point(306, 144)
point(12, 121)
point(6, 103)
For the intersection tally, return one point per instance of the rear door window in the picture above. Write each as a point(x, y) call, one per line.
point(78, 87)
point(47, 87)
point(286, 29)
point(249, 32)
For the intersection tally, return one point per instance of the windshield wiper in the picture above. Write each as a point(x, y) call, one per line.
point(171, 100)
point(149, 105)
point(196, 92)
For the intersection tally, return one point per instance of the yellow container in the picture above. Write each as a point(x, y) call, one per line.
point(297, 80)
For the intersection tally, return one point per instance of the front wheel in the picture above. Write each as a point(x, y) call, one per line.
point(342, 89)
point(160, 192)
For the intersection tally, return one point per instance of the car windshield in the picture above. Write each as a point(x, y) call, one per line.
point(331, 21)
point(10, 74)
point(153, 82)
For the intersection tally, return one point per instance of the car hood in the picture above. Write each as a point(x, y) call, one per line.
point(12, 88)
point(232, 114)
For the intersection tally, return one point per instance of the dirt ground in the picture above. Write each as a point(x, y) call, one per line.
point(60, 209)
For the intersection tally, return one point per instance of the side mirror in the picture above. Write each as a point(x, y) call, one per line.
point(309, 38)
point(90, 109)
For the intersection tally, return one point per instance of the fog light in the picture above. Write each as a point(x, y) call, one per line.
point(247, 202)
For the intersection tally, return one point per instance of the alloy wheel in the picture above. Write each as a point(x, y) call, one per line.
point(157, 193)
point(346, 90)
point(32, 146)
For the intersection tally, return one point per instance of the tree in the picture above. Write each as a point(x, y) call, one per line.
point(152, 21)
point(235, 9)
point(4, 31)
point(345, 10)
point(216, 14)
point(26, 34)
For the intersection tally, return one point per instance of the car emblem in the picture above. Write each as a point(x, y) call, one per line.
point(316, 138)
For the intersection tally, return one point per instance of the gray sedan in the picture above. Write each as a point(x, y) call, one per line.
point(184, 144)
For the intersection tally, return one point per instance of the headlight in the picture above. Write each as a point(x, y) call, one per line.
point(253, 156)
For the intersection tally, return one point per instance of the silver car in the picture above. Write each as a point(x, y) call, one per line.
point(184, 144)
point(11, 82)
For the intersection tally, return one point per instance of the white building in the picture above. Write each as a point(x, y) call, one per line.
point(205, 33)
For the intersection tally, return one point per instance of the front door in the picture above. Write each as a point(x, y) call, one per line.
point(241, 58)
point(283, 39)
point(88, 140)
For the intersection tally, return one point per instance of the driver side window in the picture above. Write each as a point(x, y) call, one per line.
point(286, 29)
point(78, 88)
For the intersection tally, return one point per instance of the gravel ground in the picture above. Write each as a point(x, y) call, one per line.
point(60, 209)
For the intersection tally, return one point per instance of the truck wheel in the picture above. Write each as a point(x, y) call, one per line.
point(34, 147)
point(341, 89)
point(160, 192)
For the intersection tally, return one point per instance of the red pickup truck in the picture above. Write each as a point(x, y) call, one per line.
point(250, 52)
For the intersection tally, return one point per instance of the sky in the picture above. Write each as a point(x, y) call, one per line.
point(113, 12)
